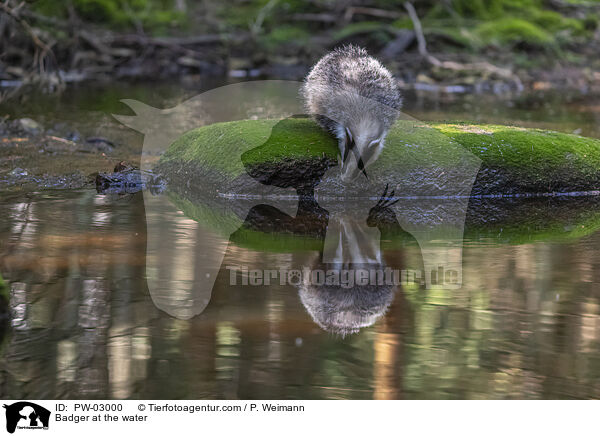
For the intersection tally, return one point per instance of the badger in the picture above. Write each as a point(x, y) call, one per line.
point(353, 96)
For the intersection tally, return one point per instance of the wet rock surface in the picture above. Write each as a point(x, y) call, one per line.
point(59, 157)
point(512, 220)
point(128, 179)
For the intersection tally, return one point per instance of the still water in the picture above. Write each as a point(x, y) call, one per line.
point(85, 323)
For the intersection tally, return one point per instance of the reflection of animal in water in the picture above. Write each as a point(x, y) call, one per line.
point(337, 308)
point(345, 310)
point(342, 310)
point(356, 98)
point(25, 414)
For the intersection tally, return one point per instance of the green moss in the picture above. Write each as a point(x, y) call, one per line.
point(511, 30)
point(230, 226)
point(527, 234)
point(153, 15)
point(526, 155)
point(460, 35)
point(553, 21)
point(285, 35)
point(243, 14)
point(208, 145)
point(503, 23)
point(490, 10)
point(293, 138)
point(533, 220)
point(480, 9)
point(530, 223)
point(363, 27)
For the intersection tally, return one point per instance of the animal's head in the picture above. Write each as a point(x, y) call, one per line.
point(360, 124)
point(345, 306)
point(361, 142)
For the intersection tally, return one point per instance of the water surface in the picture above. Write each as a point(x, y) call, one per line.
point(84, 324)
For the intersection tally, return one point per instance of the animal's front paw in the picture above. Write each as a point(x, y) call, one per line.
point(382, 212)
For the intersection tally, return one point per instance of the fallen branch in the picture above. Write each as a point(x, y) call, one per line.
point(256, 27)
point(162, 41)
point(45, 19)
point(63, 140)
point(323, 18)
point(14, 14)
point(374, 12)
point(455, 66)
point(422, 44)
point(41, 54)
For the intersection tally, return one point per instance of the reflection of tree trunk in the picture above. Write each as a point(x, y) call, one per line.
point(388, 350)
point(251, 380)
point(202, 345)
point(128, 345)
point(94, 319)
point(27, 371)
point(71, 284)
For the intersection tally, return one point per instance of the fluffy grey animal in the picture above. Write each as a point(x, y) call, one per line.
point(352, 95)
point(344, 311)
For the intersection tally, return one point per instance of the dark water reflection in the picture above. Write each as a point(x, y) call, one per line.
point(525, 324)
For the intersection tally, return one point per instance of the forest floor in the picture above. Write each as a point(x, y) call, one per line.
point(524, 49)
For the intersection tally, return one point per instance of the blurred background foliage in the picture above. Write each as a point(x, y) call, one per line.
point(472, 25)
point(155, 15)
point(163, 38)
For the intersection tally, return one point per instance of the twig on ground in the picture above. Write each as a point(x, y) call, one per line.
point(256, 27)
point(455, 66)
point(43, 51)
point(374, 12)
point(14, 14)
point(323, 18)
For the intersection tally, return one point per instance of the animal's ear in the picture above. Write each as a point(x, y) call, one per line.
point(145, 117)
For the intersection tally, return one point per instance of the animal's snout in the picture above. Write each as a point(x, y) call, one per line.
point(352, 167)
point(351, 161)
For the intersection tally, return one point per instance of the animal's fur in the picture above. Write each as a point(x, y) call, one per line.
point(344, 311)
point(350, 93)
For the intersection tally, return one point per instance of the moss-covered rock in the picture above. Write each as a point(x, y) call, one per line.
point(239, 157)
point(251, 232)
point(419, 158)
point(491, 220)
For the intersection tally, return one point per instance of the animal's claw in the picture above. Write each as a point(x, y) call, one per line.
point(386, 200)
